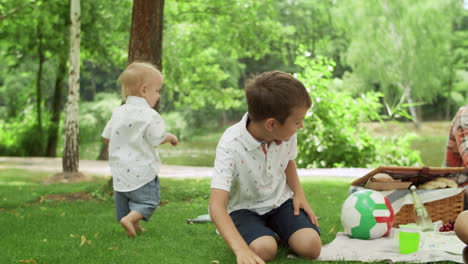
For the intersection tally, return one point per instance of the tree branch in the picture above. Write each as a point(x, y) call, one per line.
point(2, 17)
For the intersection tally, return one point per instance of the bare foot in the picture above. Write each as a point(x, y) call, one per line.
point(128, 225)
point(138, 228)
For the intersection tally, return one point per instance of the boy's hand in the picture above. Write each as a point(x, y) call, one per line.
point(301, 202)
point(247, 256)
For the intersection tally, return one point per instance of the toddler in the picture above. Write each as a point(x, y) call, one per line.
point(132, 134)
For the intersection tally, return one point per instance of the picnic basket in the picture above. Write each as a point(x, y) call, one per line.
point(444, 209)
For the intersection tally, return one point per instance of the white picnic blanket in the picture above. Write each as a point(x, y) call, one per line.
point(437, 247)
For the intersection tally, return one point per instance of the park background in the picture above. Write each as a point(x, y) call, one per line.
point(385, 78)
point(371, 68)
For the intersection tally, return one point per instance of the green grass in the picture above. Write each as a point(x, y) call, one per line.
point(50, 231)
point(38, 230)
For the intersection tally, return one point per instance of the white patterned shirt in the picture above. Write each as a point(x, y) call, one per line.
point(134, 131)
point(255, 180)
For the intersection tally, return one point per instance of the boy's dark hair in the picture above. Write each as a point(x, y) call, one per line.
point(274, 95)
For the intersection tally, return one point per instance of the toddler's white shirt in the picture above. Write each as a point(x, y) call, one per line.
point(254, 180)
point(134, 131)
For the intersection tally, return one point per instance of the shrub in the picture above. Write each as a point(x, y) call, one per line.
point(332, 137)
point(21, 136)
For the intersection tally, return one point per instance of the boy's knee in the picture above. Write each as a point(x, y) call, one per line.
point(461, 226)
point(265, 247)
point(306, 243)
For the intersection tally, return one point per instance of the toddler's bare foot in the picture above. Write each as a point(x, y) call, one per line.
point(128, 225)
point(139, 229)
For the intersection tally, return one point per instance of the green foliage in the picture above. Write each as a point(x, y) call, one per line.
point(210, 47)
point(94, 116)
point(203, 46)
point(21, 136)
point(176, 124)
point(332, 137)
point(394, 45)
point(396, 151)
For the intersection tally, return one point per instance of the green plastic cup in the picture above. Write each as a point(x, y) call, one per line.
point(409, 238)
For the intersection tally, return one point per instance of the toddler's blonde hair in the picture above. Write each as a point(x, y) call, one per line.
point(135, 76)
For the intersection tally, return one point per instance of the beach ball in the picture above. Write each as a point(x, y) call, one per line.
point(367, 214)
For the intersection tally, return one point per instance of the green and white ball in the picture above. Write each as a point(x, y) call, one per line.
point(367, 214)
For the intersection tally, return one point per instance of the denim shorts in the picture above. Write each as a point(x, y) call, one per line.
point(143, 200)
point(279, 223)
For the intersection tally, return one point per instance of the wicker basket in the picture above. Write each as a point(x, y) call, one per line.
point(445, 209)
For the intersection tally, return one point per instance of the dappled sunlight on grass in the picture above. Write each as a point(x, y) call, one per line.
point(15, 183)
point(18, 175)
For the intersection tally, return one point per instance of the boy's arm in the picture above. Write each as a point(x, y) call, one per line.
point(227, 229)
point(299, 200)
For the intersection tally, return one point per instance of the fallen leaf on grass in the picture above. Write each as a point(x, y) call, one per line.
point(215, 261)
point(84, 241)
point(332, 229)
point(16, 214)
point(27, 261)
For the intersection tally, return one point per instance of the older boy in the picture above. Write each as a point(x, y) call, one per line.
point(133, 133)
point(256, 197)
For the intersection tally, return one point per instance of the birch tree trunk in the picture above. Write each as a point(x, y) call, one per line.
point(409, 99)
point(71, 154)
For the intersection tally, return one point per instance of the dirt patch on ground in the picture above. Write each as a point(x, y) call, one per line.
point(66, 177)
point(79, 196)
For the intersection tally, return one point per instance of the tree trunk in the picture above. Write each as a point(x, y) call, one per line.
point(412, 108)
point(71, 154)
point(56, 108)
point(41, 57)
point(147, 32)
point(103, 154)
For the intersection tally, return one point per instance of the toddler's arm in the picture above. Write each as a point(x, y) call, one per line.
point(170, 138)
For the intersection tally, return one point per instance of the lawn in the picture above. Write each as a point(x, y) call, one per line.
point(44, 223)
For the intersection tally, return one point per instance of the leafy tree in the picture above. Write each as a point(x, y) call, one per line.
point(457, 92)
point(34, 34)
point(399, 45)
point(203, 43)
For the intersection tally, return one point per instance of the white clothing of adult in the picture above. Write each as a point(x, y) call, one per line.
point(134, 131)
point(254, 175)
